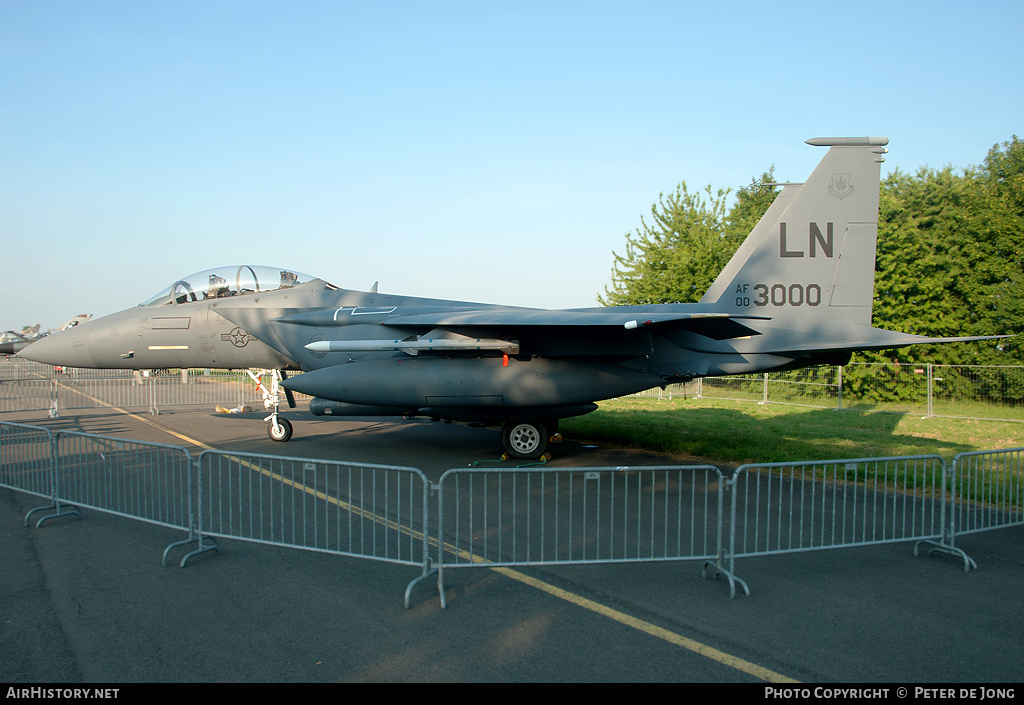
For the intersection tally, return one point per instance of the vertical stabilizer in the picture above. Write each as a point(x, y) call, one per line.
point(812, 254)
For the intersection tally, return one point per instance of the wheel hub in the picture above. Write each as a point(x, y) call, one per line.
point(525, 438)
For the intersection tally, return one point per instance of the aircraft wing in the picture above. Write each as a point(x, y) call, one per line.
point(719, 326)
point(611, 333)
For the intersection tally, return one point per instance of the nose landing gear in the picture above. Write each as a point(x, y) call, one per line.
point(278, 428)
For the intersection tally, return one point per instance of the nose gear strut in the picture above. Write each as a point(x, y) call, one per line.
point(279, 428)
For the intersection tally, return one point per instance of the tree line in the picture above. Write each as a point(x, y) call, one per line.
point(950, 256)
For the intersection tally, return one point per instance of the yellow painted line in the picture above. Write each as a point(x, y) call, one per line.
point(621, 617)
point(650, 629)
point(143, 419)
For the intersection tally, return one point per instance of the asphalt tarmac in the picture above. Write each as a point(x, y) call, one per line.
point(87, 599)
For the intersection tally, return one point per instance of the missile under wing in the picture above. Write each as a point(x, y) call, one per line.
point(798, 292)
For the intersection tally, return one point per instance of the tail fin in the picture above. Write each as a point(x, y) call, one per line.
point(813, 251)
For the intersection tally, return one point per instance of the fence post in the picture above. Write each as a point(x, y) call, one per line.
point(54, 405)
point(840, 386)
point(195, 516)
point(764, 399)
point(947, 539)
point(153, 410)
point(931, 379)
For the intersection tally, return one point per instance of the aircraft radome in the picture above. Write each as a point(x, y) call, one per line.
point(798, 292)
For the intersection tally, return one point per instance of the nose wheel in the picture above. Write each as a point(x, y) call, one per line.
point(279, 429)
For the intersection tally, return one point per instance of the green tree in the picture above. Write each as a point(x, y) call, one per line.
point(997, 260)
point(921, 262)
point(751, 203)
point(675, 257)
point(949, 261)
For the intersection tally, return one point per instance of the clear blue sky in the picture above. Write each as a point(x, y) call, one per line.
point(483, 151)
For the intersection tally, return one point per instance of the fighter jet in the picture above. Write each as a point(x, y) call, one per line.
point(798, 292)
point(75, 320)
point(11, 343)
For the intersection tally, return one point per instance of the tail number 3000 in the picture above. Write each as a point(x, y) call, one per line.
point(782, 295)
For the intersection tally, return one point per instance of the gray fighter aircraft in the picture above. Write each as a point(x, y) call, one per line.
point(11, 343)
point(798, 292)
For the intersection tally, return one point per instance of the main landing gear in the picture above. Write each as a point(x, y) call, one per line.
point(279, 428)
point(527, 439)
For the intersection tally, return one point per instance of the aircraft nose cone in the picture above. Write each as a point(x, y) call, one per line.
point(67, 348)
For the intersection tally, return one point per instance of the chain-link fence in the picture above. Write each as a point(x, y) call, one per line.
point(958, 391)
point(30, 386)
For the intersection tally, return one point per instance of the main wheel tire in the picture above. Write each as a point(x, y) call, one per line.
point(524, 439)
point(280, 432)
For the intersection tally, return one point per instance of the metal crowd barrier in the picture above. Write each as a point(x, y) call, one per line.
point(989, 486)
point(28, 463)
point(27, 459)
point(533, 516)
point(987, 492)
point(791, 507)
point(351, 509)
point(134, 479)
point(520, 516)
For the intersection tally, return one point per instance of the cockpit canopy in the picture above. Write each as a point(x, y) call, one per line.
point(223, 282)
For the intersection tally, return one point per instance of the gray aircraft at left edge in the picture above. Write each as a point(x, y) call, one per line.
point(12, 343)
point(798, 292)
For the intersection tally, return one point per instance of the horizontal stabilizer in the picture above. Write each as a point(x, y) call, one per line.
point(875, 339)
